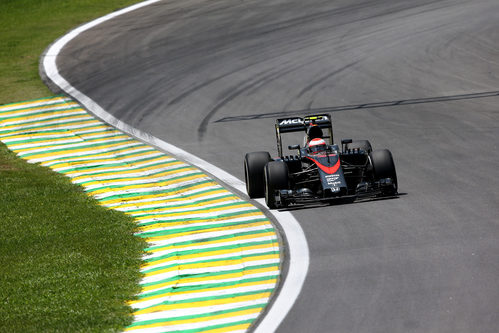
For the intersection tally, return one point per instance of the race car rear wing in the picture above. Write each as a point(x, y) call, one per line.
point(299, 124)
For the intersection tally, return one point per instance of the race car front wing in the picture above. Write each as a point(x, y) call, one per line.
point(384, 187)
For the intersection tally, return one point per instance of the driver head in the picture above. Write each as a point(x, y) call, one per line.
point(316, 146)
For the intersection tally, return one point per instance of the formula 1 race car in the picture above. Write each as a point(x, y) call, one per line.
point(319, 172)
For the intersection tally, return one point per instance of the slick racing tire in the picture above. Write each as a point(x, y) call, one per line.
point(276, 178)
point(254, 163)
point(364, 145)
point(383, 167)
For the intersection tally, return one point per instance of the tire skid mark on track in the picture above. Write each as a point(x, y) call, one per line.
point(253, 83)
point(213, 260)
point(362, 106)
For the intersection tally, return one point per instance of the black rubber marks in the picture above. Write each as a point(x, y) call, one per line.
point(361, 106)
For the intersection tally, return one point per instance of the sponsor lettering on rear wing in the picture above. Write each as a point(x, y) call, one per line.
point(296, 124)
point(299, 124)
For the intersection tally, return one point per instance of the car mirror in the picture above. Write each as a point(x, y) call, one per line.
point(292, 147)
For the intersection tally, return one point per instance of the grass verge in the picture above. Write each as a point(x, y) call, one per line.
point(27, 27)
point(67, 264)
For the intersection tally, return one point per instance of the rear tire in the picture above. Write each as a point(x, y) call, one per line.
point(360, 144)
point(254, 163)
point(384, 167)
point(276, 178)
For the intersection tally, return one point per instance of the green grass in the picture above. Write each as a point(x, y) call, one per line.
point(27, 27)
point(66, 263)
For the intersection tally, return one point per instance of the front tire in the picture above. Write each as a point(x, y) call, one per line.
point(254, 163)
point(384, 167)
point(276, 178)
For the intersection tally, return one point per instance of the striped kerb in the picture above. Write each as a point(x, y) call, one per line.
point(212, 260)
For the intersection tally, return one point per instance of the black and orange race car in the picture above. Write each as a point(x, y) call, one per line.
point(319, 171)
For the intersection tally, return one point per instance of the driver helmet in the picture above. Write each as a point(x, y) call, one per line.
point(316, 146)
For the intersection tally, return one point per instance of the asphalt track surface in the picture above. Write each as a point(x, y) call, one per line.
point(418, 77)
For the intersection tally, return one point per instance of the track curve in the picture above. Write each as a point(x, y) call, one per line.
point(424, 262)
